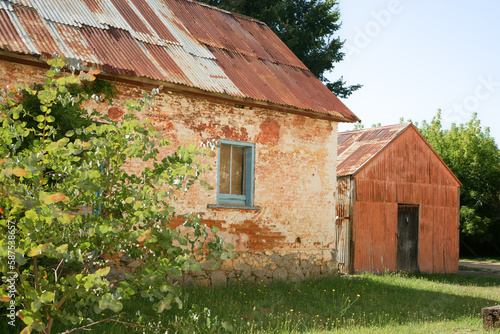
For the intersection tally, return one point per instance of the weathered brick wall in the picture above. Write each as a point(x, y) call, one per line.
point(295, 159)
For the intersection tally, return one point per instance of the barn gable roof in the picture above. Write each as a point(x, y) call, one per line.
point(355, 149)
point(181, 42)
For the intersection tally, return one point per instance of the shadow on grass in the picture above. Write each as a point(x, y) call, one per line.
point(366, 300)
point(322, 305)
point(468, 279)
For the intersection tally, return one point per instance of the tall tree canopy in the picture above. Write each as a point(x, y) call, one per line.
point(472, 154)
point(307, 27)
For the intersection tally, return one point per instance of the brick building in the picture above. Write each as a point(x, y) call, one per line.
point(225, 77)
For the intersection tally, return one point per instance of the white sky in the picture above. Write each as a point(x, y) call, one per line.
point(414, 57)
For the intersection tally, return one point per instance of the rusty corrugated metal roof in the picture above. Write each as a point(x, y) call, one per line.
point(356, 148)
point(10, 39)
point(179, 41)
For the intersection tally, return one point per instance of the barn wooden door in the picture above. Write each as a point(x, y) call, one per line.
point(407, 256)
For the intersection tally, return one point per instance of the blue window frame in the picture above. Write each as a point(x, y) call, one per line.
point(235, 174)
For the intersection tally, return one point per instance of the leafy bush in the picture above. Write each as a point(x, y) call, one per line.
point(474, 157)
point(68, 205)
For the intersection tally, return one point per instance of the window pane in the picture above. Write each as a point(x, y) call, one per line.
point(238, 171)
point(225, 168)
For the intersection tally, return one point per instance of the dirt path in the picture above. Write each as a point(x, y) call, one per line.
point(479, 268)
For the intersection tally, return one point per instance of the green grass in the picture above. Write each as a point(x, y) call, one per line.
point(391, 303)
point(483, 259)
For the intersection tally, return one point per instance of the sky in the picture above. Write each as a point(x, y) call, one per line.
point(415, 57)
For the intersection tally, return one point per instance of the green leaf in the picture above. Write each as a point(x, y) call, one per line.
point(50, 73)
point(36, 304)
point(63, 249)
point(20, 259)
point(45, 198)
point(47, 297)
point(115, 305)
point(61, 81)
point(38, 326)
point(104, 303)
point(40, 118)
point(164, 305)
point(73, 319)
point(89, 283)
point(206, 185)
point(32, 215)
point(179, 302)
point(35, 251)
point(103, 271)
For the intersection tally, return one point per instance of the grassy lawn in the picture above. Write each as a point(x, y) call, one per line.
point(391, 303)
point(485, 259)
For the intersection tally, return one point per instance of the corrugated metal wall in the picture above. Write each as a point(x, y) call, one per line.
point(406, 171)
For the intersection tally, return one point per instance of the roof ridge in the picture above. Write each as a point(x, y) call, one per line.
point(248, 18)
point(402, 125)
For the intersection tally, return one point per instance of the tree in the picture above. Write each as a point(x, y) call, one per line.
point(307, 27)
point(472, 154)
point(359, 125)
point(56, 266)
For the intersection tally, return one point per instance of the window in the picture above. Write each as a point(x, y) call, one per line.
point(235, 174)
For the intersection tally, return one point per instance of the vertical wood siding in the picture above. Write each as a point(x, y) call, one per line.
point(406, 171)
point(343, 223)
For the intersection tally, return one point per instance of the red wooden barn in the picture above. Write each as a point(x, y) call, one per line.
point(397, 203)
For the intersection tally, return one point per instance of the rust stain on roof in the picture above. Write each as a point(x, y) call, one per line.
point(172, 71)
point(130, 16)
point(9, 37)
point(74, 44)
point(154, 21)
point(178, 41)
point(356, 148)
point(93, 6)
point(36, 29)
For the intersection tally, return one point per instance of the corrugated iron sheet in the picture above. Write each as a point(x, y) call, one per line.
point(105, 50)
point(37, 30)
point(132, 17)
point(279, 52)
point(154, 21)
point(179, 31)
point(356, 148)
point(172, 71)
point(75, 46)
point(178, 41)
point(10, 40)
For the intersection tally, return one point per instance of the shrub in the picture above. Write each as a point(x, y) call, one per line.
point(56, 252)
